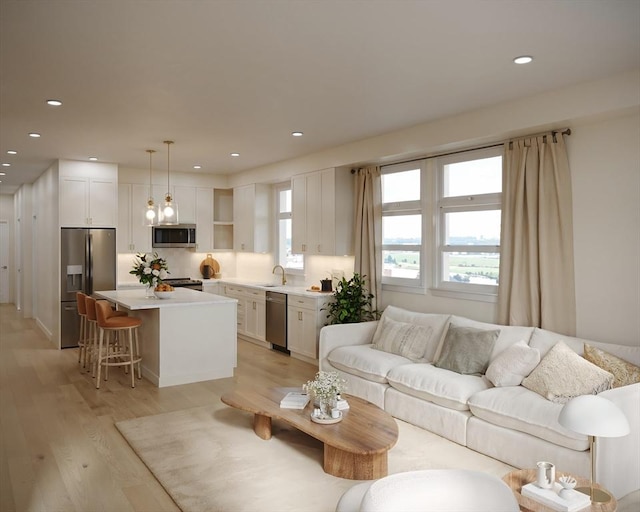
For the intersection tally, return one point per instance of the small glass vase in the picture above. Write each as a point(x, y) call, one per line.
point(148, 293)
point(326, 405)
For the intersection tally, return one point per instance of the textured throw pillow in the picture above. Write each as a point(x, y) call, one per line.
point(562, 375)
point(513, 364)
point(402, 338)
point(467, 350)
point(624, 373)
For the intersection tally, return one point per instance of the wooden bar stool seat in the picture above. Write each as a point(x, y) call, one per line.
point(91, 332)
point(117, 353)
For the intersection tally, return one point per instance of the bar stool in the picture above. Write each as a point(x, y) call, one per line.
point(82, 337)
point(91, 331)
point(123, 353)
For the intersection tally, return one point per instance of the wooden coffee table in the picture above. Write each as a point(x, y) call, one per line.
point(521, 477)
point(355, 448)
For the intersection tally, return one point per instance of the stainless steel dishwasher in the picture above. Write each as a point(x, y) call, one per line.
point(277, 320)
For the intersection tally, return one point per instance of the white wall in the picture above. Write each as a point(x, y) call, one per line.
point(605, 166)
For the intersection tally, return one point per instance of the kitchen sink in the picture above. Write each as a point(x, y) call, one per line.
point(269, 285)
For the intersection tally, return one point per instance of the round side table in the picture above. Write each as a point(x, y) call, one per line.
point(520, 477)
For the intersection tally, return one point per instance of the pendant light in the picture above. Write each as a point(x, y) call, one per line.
point(150, 216)
point(168, 212)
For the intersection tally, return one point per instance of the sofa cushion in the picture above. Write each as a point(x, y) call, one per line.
point(513, 364)
point(409, 340)
point(509, 334)
point(517, 408)
point(467, 350)
point(442, 387)
point(365, 362)
point(435, 323)
point(624, 373)
point(562, 375)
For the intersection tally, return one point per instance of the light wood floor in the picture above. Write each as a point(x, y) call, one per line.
point(59, 447)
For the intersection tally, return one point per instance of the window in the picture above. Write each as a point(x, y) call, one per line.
point(468, 221)
point(284, 256)
point(402, 226)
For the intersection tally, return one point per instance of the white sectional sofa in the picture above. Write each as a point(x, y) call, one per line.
point(510, 423)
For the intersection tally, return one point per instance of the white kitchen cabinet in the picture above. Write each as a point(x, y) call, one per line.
point(132, 234)
point(223, 219)
point(210, 286)
point(305, 318)
point(88, 202)
point(322, 213)
point(251, 217)
point(251, 310)
point(185, 197)
point(203, 219)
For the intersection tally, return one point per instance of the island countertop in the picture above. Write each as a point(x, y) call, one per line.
point(135, 299)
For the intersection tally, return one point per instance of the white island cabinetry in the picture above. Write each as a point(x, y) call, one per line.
point(190, 337)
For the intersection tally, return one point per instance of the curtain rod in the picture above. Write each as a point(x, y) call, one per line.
point(563, 131)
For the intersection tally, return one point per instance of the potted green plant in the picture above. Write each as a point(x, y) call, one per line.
point(351, 302)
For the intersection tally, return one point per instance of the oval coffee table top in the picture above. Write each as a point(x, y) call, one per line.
point(364, 430)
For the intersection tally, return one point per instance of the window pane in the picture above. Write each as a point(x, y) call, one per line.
point(473, 228)
point(405, 264)
point(284, 201)
point(473, 177)
point(472, 268)
point(401, 229)
point(287, 258)
point(401, 186)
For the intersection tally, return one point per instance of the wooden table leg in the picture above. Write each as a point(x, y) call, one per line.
point(353, 466)
point(262, 426)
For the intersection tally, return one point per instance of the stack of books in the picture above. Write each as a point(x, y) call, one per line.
point(569, 502)
point(294, 400)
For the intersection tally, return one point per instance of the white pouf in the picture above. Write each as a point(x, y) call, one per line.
point(441, 490)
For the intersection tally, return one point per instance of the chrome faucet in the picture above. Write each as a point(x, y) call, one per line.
point(284, 279)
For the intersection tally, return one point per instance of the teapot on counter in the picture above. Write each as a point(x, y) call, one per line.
point(207, 271)
point(326, 285)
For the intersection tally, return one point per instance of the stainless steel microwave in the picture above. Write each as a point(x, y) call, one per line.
point(177, 235)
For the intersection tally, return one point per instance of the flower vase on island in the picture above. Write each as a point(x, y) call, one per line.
point(151, 270)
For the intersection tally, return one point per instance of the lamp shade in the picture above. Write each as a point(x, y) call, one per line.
point(593, 415)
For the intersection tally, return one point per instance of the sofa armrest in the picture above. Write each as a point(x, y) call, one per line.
point(618, 458)
point(340, 335)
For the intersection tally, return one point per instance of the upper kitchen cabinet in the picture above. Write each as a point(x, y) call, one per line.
point(322, 213)
point(88, 194)
point(251, 225)
point(133, 235)
point(223, 219)
point(185, 198)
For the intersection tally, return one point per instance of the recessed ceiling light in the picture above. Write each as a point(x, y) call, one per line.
point(34, 135)
point(6, 165)
point(3, 173)
point(93, 158)
point(197, 167)
point(54, 103)
point(523, 59)
point(297, 134)
point(12, 152)
point(235, 154)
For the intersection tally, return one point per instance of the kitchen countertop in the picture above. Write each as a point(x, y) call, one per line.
point(291, 290)
point(135, 298)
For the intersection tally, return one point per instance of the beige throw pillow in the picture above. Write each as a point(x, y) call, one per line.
point(467, 350)
point(562, 375)
point(624, 373)
point(404, 339)
point(513, 364)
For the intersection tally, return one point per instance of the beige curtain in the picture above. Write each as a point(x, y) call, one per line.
point(536, 262)
point(368, 231)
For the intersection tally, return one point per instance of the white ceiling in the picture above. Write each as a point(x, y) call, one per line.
point(220, 76)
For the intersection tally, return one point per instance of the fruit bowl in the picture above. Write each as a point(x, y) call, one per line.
point(164, 295)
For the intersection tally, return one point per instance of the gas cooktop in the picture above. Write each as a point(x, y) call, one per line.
point(181, 281)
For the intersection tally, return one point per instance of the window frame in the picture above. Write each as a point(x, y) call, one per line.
point(411, 207)
point(455, 204)
point(278, 188)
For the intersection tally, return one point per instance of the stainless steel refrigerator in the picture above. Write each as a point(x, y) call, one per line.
point(87, 264)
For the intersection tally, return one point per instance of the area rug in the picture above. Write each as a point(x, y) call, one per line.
point(209, 459)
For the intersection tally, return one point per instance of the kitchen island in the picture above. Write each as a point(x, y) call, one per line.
point(189, 337)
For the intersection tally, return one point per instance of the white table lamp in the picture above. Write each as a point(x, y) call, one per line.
point(594, 416)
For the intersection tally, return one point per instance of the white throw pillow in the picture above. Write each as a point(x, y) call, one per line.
point(404, 339)
point(513, 364)
point(562, 375)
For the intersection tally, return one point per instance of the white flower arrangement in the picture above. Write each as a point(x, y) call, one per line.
point(151, 270)
point(326, 386)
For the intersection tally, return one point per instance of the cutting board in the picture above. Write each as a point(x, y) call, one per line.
point(211, 262)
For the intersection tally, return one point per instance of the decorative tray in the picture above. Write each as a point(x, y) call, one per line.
point(326, 421)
